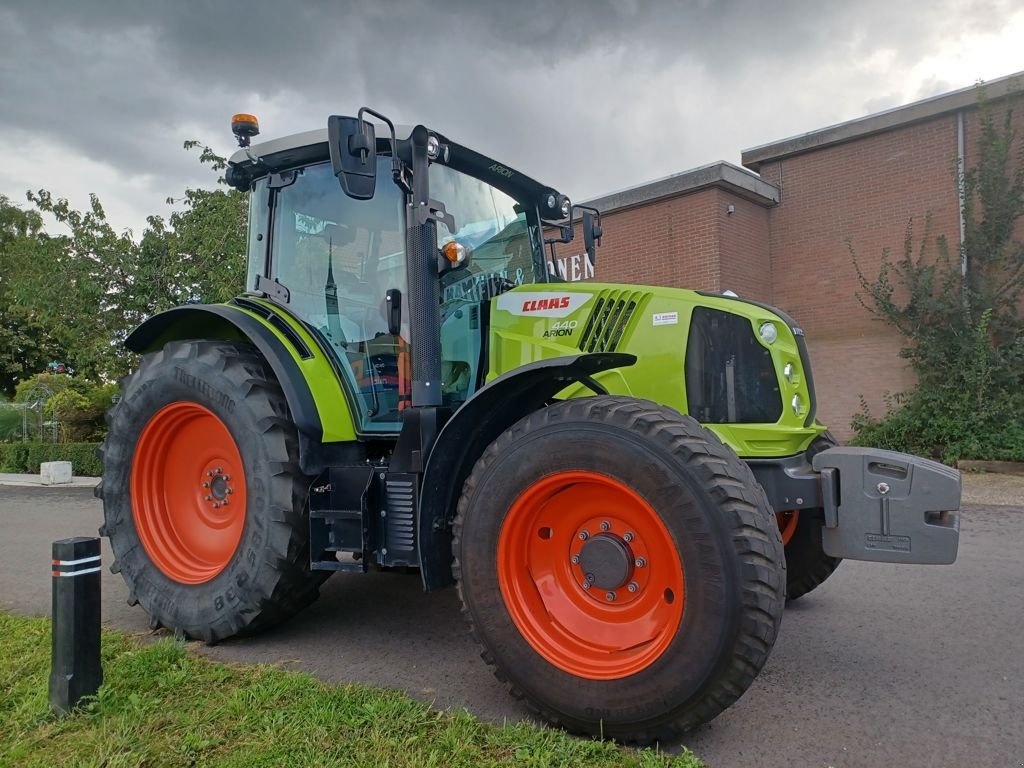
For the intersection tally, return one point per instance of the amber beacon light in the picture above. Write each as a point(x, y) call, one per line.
point(244, 127)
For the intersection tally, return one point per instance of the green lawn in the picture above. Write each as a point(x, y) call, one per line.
point(161, 705)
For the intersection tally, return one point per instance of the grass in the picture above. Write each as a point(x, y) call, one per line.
point(161, 705)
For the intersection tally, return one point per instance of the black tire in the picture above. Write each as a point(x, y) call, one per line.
point(268, 577)
point(718, 521)
point(807, 565)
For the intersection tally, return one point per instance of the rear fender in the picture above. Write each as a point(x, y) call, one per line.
point(311, 386)
point(481, 419)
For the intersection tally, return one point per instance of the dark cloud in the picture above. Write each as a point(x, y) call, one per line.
point(592, 94)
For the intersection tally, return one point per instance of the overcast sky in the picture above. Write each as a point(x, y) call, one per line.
point(589, 96)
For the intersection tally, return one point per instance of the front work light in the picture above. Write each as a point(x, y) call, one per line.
point(798, 405)
point(768, 333)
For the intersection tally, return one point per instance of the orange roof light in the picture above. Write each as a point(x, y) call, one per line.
point(244, 127)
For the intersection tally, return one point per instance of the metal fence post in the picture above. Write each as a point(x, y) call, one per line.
point(75, 670)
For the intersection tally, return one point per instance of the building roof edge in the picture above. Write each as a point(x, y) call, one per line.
point(878, 122)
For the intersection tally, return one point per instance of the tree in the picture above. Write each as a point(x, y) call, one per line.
point(85, 291)
point(25, 344)
point(960, 317)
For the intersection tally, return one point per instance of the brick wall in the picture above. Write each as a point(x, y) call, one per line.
point(861, 196)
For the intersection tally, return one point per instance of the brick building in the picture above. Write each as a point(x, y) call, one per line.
point(780, 230)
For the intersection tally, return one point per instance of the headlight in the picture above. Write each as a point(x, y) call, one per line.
point(798, 404)
point(433, 147)
point(768, 333)
point(789, 372)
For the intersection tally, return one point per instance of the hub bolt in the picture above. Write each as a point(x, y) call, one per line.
point(206, 485)
point(627, 536)
point(586, 585)
point(610, 596)
point(605, 525)
point(215, 505)
point(209, 473)
point(231, 490)
point(640, 562)
point(633, 586)
point(584, 535)
point(224, 503)
point(575, 559)
point(218, 470)
point(209, 497)
point(590, 578)
point(227, 478)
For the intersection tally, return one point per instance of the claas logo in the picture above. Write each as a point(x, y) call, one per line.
point(536, 305)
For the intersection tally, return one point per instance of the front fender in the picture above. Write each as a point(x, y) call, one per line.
point(481, 419)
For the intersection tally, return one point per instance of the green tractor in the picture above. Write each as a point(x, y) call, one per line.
point(625, 483)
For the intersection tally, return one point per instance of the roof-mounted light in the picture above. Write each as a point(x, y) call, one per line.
point(244, 127)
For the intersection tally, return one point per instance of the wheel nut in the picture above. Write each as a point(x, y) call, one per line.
point(231, 490)
point(206, 485)
point(227, 478)
point(627, 536)
point(218, 470)
point(209, 497)
point(640, 562)
point(605, 525)
point(633, 586)
point(610, 596)
point(224, 503)
point(590, 578)
point(575, 559)
point(584, 535)
point(215, 505)
point(209, 473)
point(586, 585)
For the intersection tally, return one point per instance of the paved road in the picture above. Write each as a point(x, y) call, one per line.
point(883, 665)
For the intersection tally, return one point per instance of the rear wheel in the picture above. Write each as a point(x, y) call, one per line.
point(202, 494)
point(620, 566)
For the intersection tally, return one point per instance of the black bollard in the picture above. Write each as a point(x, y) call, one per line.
point(75, 670)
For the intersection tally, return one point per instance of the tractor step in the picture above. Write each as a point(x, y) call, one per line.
point(366, 512)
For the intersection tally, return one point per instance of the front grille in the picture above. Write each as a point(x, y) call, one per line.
point(607, 324)
point(730, 378)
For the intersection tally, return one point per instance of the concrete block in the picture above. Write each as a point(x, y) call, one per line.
point(55, 472)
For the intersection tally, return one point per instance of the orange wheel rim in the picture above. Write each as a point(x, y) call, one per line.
point(590, 575)
point(787, 524)
point(188, 492)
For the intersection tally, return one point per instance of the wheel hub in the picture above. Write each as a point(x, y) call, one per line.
point(606, 561)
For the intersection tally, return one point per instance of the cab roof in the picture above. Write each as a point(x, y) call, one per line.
point(311, 147)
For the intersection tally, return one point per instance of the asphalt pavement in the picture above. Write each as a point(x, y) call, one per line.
point(882, 665)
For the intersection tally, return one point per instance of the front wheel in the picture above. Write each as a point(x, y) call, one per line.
point(620, 566)
point(203, 498)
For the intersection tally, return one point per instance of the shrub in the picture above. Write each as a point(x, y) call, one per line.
point(960, 319)
point(27, 456)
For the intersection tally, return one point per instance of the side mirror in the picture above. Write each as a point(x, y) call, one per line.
point(353, 146)
point(592, 233)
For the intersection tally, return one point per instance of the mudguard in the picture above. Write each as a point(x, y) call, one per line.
point(481, 419)
point(311, 387)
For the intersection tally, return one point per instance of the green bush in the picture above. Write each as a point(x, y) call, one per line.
point(26, 457)
point(76, 403)
point(959, 312)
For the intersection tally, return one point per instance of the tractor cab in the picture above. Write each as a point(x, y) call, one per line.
point(339, 261)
